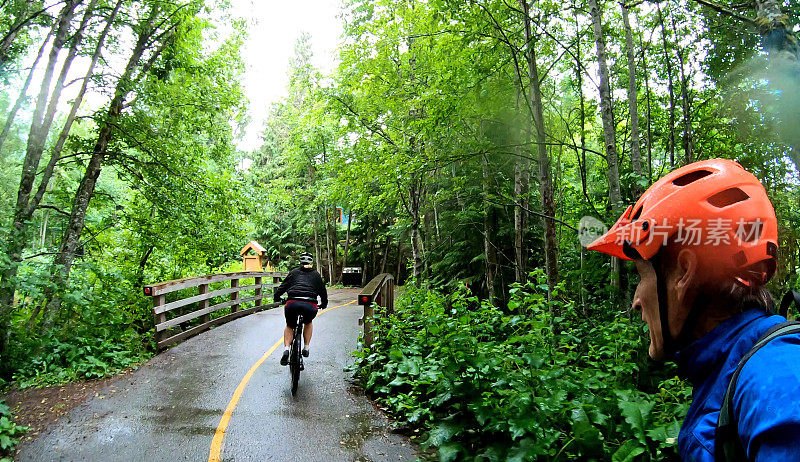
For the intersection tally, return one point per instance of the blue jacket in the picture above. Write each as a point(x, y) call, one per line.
point(767, 399)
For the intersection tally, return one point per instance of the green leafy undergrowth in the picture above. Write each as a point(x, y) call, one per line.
point(540, 382)
point(67, 359)
point(10, 432)
point(101, 328)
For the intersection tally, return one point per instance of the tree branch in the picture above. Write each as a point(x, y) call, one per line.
point(714, 6)
point(52, 207)
point(376, 130)
point(539, 214)
point(721, 9)
point(40, 254)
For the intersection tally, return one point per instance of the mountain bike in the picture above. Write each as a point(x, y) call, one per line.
point(295, 354)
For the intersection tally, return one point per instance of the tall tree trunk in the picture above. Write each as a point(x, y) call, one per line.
point(70, 240)
point(386, 253)
point(39, 127)
point(25, 17)
point(55, 95)
point(335, 275)
point(426, 244)
point(142, 265)
point(317, 247)
point(488, 248)
point(545, 182)
point(44, 229)
point(519, 271)
point(522, 174)
point(436, 220)
point(371, 254)
point(649, 115)
point(399, 261)
point(71, 237)
point(13, 32)
point(62, 137)
point(636, 155)
point(581, 152)
point(609, 132)
point(416, 253)
point(776, 30)
point(16, 239)
point(328, 244)
point(412, 206)
point(687, 138)
point(12, 115)
point(526, 217)
point(670, 88)
point(582, 282)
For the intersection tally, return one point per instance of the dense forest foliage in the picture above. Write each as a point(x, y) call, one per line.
point(465, 140)
point(460, 167)
point(119, 168)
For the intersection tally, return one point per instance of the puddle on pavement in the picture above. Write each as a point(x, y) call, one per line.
point(184, 419)
point(177, 414)
point(363, 427)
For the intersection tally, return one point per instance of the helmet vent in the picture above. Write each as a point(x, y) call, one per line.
point(728, 197)
point(691, 177)
point(638, 213)
point(772, 249)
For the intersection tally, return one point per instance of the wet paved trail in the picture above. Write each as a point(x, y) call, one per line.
point(170, 408)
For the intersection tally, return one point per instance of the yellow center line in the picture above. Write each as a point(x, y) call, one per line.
point(216, 444)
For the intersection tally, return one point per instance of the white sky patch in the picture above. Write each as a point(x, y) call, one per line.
point(274, 26)
point(244, 165)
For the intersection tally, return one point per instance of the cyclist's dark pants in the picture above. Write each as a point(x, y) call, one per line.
point(295, 307)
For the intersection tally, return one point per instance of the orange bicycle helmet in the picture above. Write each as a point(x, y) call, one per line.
point(714, 206)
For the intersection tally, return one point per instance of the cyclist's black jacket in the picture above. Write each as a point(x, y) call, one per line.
point(303, 283)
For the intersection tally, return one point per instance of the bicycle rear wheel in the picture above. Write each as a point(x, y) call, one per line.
point(295, 360)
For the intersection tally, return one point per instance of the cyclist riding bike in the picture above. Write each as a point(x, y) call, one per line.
point(704, 240)
point(302, 285)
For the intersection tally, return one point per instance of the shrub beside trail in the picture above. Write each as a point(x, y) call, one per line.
point(538, 380)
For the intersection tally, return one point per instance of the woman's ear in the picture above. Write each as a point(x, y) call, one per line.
point(685, 274)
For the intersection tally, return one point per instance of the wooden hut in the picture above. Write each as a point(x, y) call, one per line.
point(254, 257)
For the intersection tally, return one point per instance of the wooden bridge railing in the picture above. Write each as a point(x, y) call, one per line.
point(169, 331)
point(380, 290)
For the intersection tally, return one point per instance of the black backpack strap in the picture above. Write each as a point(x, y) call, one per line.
point(788, 298)
point(727, 445)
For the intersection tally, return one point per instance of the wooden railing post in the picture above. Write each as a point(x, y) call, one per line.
point(379, 290)
point(235, 295)
point(203, 304)
point(258, 291)
point(158, 300)
point(369, 311)
point(390, 295)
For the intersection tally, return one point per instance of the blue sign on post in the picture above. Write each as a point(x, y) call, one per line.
point(343, 218)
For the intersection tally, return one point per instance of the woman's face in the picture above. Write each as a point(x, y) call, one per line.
point(645, 300)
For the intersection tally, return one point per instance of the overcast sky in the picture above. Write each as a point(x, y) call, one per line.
point(274, 28)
